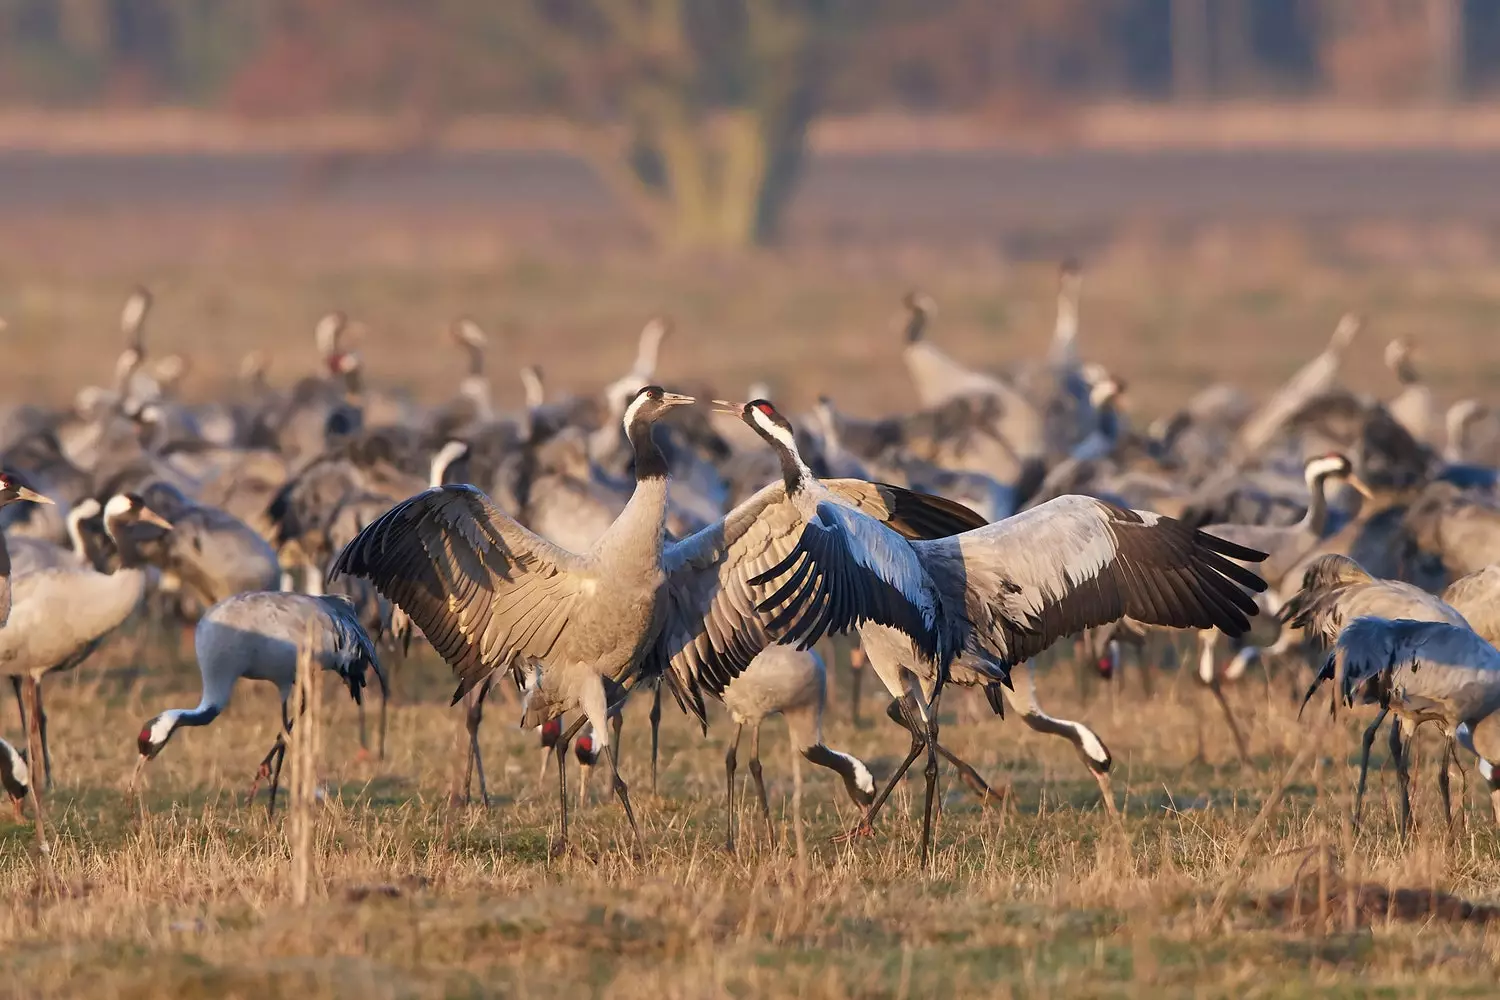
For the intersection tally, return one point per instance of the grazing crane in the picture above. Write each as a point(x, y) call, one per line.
point(1011, 588)
point(792, 683)
point(61, 615)
point(15, 776)
point(1424, 671)
point(780, 680)
point(259, 636)
point(1336, 590)
point(489, 594)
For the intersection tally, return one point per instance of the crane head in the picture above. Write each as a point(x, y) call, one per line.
point(156, 732)
point(650, 402)
point(12, 490)
point(15, 776)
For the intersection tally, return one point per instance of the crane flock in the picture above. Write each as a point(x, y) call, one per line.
point(593, 546)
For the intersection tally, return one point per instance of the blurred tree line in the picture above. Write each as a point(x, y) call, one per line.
point(700, 107)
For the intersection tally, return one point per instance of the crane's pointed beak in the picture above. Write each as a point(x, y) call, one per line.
point(135, 775)
point(1363, 488)
point(676, 399)
point(725, 406)
point(152, 517)
point(32, 495)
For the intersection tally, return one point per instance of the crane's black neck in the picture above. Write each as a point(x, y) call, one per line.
point(1406, 372)
point(199, 716)
point(793, 472)
point(650, 461)
point(121, 534)
point(1316, 518)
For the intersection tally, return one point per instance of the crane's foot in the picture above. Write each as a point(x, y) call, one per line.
point(262, 773)
point(860, 830)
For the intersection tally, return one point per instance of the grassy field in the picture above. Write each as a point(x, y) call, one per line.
point(1168, 310)
point(185, 892)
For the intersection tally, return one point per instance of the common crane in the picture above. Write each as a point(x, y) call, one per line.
point(259, 636)
point(489, 594)
point(1011, 588)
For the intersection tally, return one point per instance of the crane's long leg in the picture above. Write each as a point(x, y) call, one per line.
point(380, 745)
point(968, 775)
point(1364, 762)
point(760, 781)
point(15, 685)
point(276, 776)
point(655, 730)
point(730, 762)
point(264, 770)
point(1445, 790)
point(623, 792)
point(41, 724)
point(931, 774)
point(1403, 775)
point(561, 749)
point(866, 826)
point(472, 718)
point(34, 728)
point(1240, 745)
point(619, 785)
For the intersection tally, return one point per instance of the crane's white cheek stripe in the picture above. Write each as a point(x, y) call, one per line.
point(19, 769)
point(161, 726)
point(863, 780)
point(1091, 744)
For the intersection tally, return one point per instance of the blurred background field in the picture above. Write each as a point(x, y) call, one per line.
point(774, 176)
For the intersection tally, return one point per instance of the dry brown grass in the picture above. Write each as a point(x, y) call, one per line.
point(1169, 308)
point(189, 894)
point(414, 897)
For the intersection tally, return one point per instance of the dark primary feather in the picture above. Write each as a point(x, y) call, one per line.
point(1077, 562)
point(351, 639)
point(716, 628)
point(830, 588)
point(923, 515)
point(469, 577)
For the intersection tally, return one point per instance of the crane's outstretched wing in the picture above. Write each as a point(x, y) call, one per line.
point(767, 574)
point(481, 587)
point(912, 514)
point(1076, 562)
